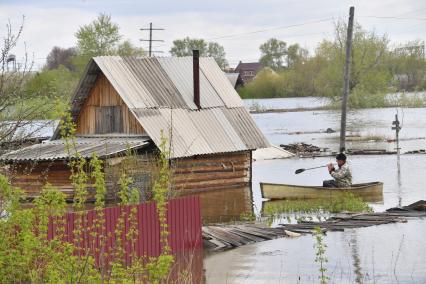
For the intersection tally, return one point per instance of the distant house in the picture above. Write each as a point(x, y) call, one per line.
point(248, 71)
point(235, 79)
point(133, 104)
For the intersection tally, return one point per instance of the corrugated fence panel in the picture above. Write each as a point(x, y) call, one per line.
point(93, 235)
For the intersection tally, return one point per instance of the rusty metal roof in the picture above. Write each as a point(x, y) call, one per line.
point(56, 149)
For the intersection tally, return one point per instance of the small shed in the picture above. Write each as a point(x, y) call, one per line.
point(124, 103)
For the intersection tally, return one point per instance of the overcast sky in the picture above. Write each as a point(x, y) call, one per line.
point(232, 23)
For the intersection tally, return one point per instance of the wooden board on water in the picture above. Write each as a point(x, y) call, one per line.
point(369, 192)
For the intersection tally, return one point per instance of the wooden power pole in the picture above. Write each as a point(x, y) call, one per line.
point(150, 40)
point(346, 80)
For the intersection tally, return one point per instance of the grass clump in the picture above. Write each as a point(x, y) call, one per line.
point(346, 201)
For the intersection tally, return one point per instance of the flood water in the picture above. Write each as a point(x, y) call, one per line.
point(381, 254)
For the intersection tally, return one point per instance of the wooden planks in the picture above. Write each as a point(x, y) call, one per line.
point(231, 236)
point(108, 119)
point(347, 221)
point(104, 96)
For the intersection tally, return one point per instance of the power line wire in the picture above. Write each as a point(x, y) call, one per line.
point(271, 29)
point(394, 18)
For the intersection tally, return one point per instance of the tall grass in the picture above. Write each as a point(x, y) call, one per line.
point(344, 202)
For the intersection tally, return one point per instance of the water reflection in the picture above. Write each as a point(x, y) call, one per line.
point(226, 205)
point(292, 260)
point(187, 267)
point(398, 165)
point(356, 262)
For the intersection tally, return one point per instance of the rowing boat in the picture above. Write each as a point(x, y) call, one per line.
point(370, 192)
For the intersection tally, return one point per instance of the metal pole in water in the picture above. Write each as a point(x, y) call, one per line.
point(396, 126)
point(346, 80)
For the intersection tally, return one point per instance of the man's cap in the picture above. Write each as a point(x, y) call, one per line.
point(341, 157)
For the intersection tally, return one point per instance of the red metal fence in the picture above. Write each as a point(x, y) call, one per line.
point(99, 232)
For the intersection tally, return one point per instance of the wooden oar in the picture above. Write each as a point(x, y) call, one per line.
point(298, 171)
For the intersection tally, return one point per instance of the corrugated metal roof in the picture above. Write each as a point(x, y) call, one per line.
point(160, 87)
point(220, 83)
point(246, 128)
point(56, 150)
point(27, 130)
point(159, 91)
point(232, 77)
point(200, 132)
point(127, 85)
point(180, 71)
point(271, 153)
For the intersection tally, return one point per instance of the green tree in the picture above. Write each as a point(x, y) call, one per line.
point(60, 56)
point(296, 55)
point(100, 37)
point(54, 88)
point(17, 106)
point(184, 47)
point(126, 48)
point(407, 64)
point(267, 84)
point(217, 51)
point(273, 53)
point(370, 76)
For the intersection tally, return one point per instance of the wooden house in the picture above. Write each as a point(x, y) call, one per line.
point(248, 71)
point(128, 103)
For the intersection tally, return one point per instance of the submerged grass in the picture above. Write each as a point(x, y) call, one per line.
point(344, 202)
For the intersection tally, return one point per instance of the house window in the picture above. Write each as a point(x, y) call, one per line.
point(248, 73)
point(108, 119)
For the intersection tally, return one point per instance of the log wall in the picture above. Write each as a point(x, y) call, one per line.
point(211, 172)
point(32, 177)
point(222, 181)
point(103, 94)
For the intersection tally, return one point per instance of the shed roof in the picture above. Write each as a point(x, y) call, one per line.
point(159, 93)
point(86, 146)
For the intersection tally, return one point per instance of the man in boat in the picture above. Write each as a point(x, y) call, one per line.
point(342, 177)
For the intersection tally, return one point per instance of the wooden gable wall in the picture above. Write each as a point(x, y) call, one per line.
point(92, 119)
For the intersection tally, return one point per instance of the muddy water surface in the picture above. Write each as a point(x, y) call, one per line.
point(382, 254)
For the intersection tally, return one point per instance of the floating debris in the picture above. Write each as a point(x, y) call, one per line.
point(370, 152)
point(298, 148)
point(232, 236)
point(221, 237)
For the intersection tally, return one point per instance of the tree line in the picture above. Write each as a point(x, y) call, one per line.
point(377, 68)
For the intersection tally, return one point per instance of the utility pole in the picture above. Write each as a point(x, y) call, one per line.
point(150, 40)
point(346, 80)
point(396, 126)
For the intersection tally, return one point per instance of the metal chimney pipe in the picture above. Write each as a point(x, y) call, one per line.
point(196, 72)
